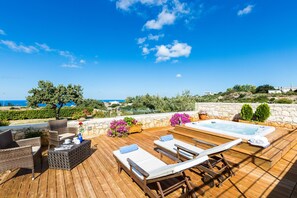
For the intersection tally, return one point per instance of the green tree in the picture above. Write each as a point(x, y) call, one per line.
point(54, 96)
point(242, 88)
point(92, 103)
point(264, 88)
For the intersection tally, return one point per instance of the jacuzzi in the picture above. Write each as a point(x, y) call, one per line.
point(234, 129)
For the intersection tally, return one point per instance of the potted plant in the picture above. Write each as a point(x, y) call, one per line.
point(202, 115)
point(118, 128)
point(134, 125)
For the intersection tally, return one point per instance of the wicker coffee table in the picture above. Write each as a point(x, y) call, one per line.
point(68, 159)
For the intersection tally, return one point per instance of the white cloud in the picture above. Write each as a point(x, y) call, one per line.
point(126, 4)
point(82, 61)
point(44, 47)
point(164, 18)
point(70, 66)
point(155, 37)
point(145, 51)
point(2, 32)
point(141, 40)
point(180, 7)
point(19, 48)
point(248, 9)
point(174, 61)
point(175, 50)
point(68, 55)
point(178, 75)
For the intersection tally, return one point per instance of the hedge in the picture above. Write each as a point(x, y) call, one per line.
point(39, 113)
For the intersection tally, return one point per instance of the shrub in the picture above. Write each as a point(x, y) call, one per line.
point(4, 123)
point(261, 99)
point(39, 113)
point(246, 112)
point(100, 114)
point(178, 119)
point(32, 134)
point(284, 101)
point(77, 115)
point(118, 128)
point(262, 112)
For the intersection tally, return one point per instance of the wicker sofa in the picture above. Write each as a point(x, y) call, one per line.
point(58, 132)
point(19, 154)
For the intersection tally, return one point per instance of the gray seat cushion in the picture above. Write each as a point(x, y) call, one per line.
point(66, 136)
point(5, 139)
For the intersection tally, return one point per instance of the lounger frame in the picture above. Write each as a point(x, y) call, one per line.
point(183, 180)
point(208, 170)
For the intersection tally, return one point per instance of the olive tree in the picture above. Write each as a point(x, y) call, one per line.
point(54, 96)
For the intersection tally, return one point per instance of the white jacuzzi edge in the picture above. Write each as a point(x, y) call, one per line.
point(268, 129)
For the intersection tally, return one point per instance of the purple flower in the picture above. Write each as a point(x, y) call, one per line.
point(117, 128)
point(178, 119)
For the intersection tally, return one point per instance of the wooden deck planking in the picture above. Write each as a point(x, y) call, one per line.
point(97, 176)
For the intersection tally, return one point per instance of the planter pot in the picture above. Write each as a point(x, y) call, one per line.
point(202, 116)
point(135, 128)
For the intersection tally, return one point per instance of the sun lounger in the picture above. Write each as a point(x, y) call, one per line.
point(216, 167)
point(149, 172)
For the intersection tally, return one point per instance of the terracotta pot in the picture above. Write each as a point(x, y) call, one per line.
point(202, 116)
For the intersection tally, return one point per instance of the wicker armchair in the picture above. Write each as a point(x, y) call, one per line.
point(19, 154)
point(58, 132)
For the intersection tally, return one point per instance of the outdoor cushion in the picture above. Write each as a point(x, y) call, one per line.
point(35, 149)
point(152, 165)
point(166, 138)
point(129, 148)
point(142, 158)
point(66, 135)
point(170, 145)
point(5, 139)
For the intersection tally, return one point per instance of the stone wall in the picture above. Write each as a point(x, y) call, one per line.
point(98, 126)
point(281, 114)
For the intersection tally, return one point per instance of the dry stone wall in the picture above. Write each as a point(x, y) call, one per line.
point(284, 115)
point(96, 127)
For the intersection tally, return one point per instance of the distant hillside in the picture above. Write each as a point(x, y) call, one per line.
point(250, 93)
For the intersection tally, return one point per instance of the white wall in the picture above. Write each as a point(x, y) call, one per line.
point(281, 113)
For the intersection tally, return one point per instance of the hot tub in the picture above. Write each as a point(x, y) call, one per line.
point(234, 129)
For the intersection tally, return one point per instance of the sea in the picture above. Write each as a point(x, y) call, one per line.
point(23, 103)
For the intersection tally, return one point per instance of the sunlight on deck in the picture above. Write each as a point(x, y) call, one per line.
point(97, 176)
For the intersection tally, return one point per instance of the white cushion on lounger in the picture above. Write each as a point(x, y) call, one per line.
point(220, 148)
point(169, 145)
point(154, 166)
point(142, 158)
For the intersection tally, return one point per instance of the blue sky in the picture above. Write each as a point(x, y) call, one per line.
point(120, 48)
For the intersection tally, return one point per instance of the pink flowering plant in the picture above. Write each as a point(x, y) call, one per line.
point(118, 128)
point(180, 118)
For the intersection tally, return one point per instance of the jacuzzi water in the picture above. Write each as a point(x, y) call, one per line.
point(235, 129)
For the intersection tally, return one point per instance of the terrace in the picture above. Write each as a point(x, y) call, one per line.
point(97, 176)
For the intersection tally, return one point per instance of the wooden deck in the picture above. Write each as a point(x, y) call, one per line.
point(97, 176)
